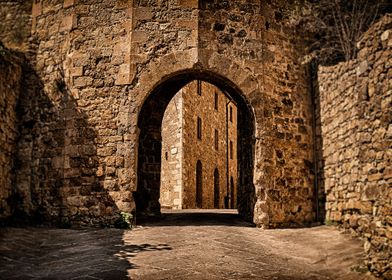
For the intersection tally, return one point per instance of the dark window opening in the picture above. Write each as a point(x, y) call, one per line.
point(231, 114)
point(216, 138)
point(198, 128)
point(216, 101)
point(216, 188)
point(198, 87)
point(232, 194)
point(231, 149)
point(199, 185)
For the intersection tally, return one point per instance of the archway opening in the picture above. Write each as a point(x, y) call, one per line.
point(150, 154)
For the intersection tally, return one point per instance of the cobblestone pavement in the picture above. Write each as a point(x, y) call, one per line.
point(183, 245)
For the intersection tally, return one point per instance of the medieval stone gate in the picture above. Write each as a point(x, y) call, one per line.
point(149, 154)
point(99, 85)
point(85, 85)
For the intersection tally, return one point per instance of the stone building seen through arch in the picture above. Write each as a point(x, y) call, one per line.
point(199, 137)
point(151, 194)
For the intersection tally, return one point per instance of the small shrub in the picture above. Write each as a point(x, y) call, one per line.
point(330, 223)
point(125, 220)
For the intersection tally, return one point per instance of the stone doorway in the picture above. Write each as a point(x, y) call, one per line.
point(150, 143)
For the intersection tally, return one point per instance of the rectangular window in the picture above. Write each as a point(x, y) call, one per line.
point(198, 87)
point(216, 101)
point(231, 149)
point(216, 138)
point(198, 128)
point(231, 114)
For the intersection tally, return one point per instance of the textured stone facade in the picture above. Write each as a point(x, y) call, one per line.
point(104, 72)
point(15, 27)
point(10, 87)
point(199, 103)
point(171, 190)
point(356, 124)
point(100, 74)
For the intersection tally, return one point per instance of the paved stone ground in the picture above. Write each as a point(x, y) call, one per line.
point(183, 245)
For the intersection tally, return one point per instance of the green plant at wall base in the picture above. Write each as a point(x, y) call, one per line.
point(330, 223)
point(125, 220)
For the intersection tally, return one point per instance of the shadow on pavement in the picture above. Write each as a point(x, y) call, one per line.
point(195, 217)
point(42, 253)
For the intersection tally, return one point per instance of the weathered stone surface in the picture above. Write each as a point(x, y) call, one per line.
point(356, 147)
point(10, 88)
point(15, 25)
point(96, 64)
point(100, 75)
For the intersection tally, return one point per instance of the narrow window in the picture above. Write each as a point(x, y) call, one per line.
point(231, 149)
point(231, 114)
point(216, 101)
point(216, 188)
point(232, 194)
point(198, 87)
point(216, 138)
point(198, 128)
point(199, 185)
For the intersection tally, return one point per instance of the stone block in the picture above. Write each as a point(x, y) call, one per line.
point(122, 47)
point(189, 3)
point(75, 201)
point(82, 81)
point(76, 71)
point(69, 3)
point(37, 8)
point(126, 74)
point(72, 172)
point(187, 24)
point(139, 36)
point(124, 176)
point(362, 68)
point(122, 4)
point(68, 23)
point(106, 151)
point(142, 13)
point(72, 150)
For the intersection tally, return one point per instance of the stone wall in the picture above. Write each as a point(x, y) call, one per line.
point(172, 154)
point(356, 117)
point(72, 150)
point(181, 148)
point(203, 106)
point(232, 151)
point(10, 87)
point(87, 148)
point(15, 24)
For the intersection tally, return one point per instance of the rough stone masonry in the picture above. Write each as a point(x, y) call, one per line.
point(356, 117)
point(80, 117)
point(81, 129)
